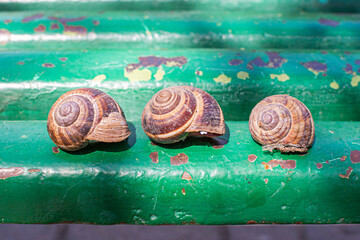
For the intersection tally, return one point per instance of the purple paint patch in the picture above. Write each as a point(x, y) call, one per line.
point(235, 62)
point(315, 67)
point(153, 61)
point(65, 20)
point(48, 65)
point(54, 26)
point(357, 62)
point(32, 17)
point(63, 59)
point(328, 22)
point(355, 156)
point(40, 28)
point(275, 61)
point(96, 22)
point(348, 69)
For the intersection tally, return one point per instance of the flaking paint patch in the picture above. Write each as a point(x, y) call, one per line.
point(199, 73)
point(34, 170)
point(355, 81)
point(7, 21)
point(154, 157)
point(54, 26)
point(328, 22)
point(235, 62)
point(284, 164)
point(99, 78)
point(10, 172)
point(55, 149)
point(63, 59)
point(319, 165)
point(32, 18)
point(48, 65)
point(315, 67)
point(96, 22)
point(266, 180)
point(275, 61)
point(159, 75)
point(183, 191)
point(222, 78)
point(71, 30)
point(39, 29)
point(179, 159)
point(343, 158)
point(355, 156)
point(138, 75)
point(252, 158)
point(20, 63)
point(347, 174)
point(4, 36)
point(334, 85)
point(186, 176)
point(281, 77)
point(242, 75)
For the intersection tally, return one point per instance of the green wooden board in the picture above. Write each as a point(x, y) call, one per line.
point(119, 183)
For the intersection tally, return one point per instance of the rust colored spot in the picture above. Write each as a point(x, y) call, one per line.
point(275, 61)
point(34, 170)
point(348, 172)
point(186, 176)
point(284, 164)
point(20, 63)
point(328, 22)
point(252, 158)
point(183, 191)
point(153, 61)
point(355, 156)
point(4, 36)
point(10, 172)
point(96, 22)
point(235, 62)
point(327, 162)
point(7, 21)
point(315, 67)
point(343, 158)
point(251, 222)
point(266, 180)
point(32, 18)
point(154, 157)
point(55, 149)
point(54, 26)
point(63, 59)
point(319, 165)
point(179, 159)
point(48, 65)
point(40, 28)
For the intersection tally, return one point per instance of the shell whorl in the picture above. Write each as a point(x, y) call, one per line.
point(282, 122)
point(175, 112)
point(74, 117)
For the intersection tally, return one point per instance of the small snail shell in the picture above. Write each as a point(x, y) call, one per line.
point(86, 114)
point(282, 122)
point(175, 112)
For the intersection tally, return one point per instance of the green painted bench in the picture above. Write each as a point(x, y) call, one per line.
point(240, 53)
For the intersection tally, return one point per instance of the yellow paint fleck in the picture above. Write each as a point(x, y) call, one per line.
point(334, 85)
point(222, 78)
point(218, 24)
point(282, 77)
point(159, 75)
point(243, 75)
point(355, 81)
point(200, 73)
point(99, 78)
point(137, 75)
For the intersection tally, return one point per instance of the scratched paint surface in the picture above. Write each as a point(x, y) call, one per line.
point(32, 81)
point(180, 29)
point(120, 183)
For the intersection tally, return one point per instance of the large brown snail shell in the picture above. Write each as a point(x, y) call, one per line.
point(174, 113)
point(282, 122)
point(86, 114)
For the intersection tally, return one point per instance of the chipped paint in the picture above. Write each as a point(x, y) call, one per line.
point(48, 65)
point(183, 191)
point(266, 180)
point(348, 172)
point(32, 18)
point(159, 75)
point(355, 80)
point(284, 164)
point(355, 156)
point(315, 67)
point(4, 36)
point(275, 61)
point(334, 85)
point(154, 157)
point(252, 158)
point(99, 78)
point(63, 59)
point(20, 63)
point(328, 22)
point(7, 21)
point(71, 30)
point(138, 75)
point(179, 159)
point(40, 28)
point(96, 22)
point(343, 158)
point(222, 78)
point(235, 62)
point(200, 73)
point(243, 75)
point(34, 170)
point(54, 26)
point(186, 176)
point(10, 172)
point(55, 149)
point(281, 77)
point(319, 165)
point(348, 69)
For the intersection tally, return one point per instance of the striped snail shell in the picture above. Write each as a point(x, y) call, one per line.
point(174, 113)
point(86, 114)
point(282, 122)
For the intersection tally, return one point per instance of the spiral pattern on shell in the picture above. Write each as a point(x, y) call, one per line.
point(282, 122)
point(86, 114)
point(175, 112)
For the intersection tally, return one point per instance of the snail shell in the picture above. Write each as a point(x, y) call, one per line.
point(282, 122)
point(86, 114)
point(174, 113)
